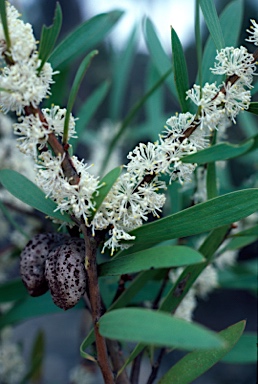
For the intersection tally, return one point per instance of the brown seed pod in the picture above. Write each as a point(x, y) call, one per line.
point(65, 273)
point(33, 258)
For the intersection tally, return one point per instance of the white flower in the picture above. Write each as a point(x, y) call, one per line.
point(81, 375)
point(254, 33)
point(236, 99)
point(23, 42)
point(235, 61)
point(77, 199)
point(226, 259)
point(144, 159)
point(50, 174)
point(12, 364)
point(208, 99)
point(23, 85)
point(33, 135)
point(206, 282)
point(187, 306)
point(55, 117)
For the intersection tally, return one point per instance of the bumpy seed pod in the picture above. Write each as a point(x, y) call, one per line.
point(65, 273)
point(33, 258)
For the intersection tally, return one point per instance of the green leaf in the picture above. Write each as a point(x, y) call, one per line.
point(129, 117)
point(230, 280)
point(12, 221)
point(245, 351)
point(36, 359)
point(218, 152)
point(88, 109)
point(22, 188)
point(194, 364)
point(49, 36)
point(212, 22)
point(253, 107)
point(231, 27)
point(12, 290)
point(30, 307)
point(153, 258)
point(84, 38)
point(248, 232)
point(123, 300)
point(211, 181)
point(192, 272)
point(198, 41)
point(108, 181)
point(180, 71)
point(121, 67)
point(239, 242)
point(156, 328)
point(74, 90)
point(185, 280)
point(160, 59)
point(5, 23)
point(200, 218)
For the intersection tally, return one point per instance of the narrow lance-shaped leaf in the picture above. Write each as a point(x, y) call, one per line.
point(122, 301)
point(74, 90)
point(84, 38)
point(107, 183)
point(26, 191)
point(211, 181)
point(49, 36)
point(137, 106)
point(253, 107)
point(5, 24)
point(12, 290)
point(30, 307)
point(156, 328)
point(194, 364)
point(245, 351)
point(219, 152)
point(159, 57)
point(200, 218)
point(247, 232)
point(121, 68)
point(198, 40)
point(212, 22)
point(180, 71)
point(185, 281)
point(231, 28)
point(158, 257)
point(88, 109)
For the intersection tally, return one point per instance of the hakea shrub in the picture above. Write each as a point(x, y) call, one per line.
point(136, 193)
point(57, 262)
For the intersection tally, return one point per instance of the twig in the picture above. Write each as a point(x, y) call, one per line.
point(135, 372)
point(156, 366)
point(117, 359)
point(91, 245)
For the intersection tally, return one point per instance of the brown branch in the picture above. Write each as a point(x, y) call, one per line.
point(117, 359)
point(156, 366)
point(91, 245)
point(135, 372)
point(58, 149)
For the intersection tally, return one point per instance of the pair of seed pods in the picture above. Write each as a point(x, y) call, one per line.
point(56, 262)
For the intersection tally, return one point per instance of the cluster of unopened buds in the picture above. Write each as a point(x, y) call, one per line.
point(136, 193)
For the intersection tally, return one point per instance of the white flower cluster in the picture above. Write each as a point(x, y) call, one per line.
point(34, 132)
point(136, 194)
point(22, 84)
point(12, 364)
